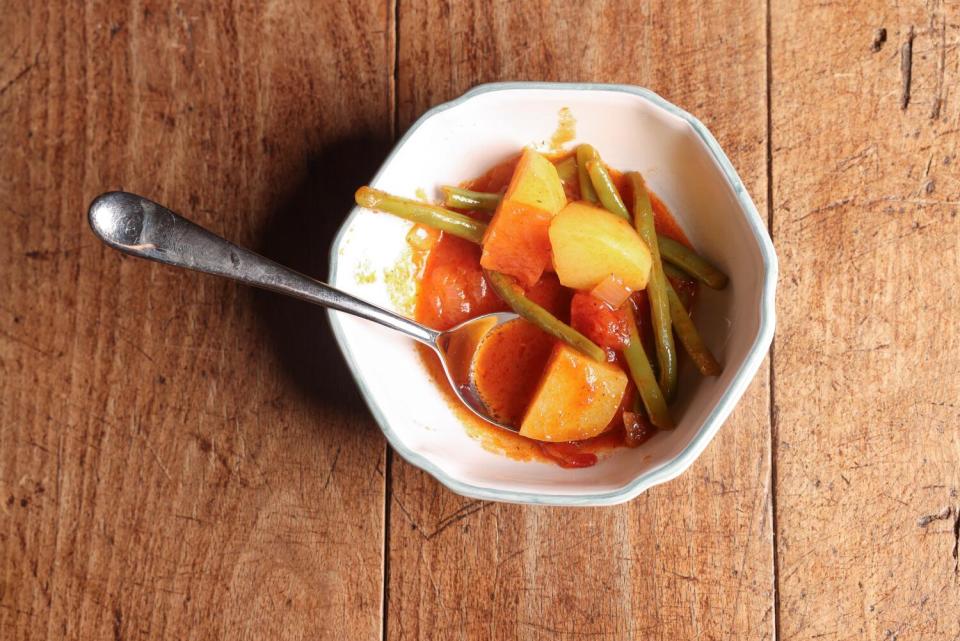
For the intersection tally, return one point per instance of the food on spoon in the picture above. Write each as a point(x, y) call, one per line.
point(602, 277)
point(505, 366)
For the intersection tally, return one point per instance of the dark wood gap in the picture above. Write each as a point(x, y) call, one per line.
point(394, 94)
point(773, 345)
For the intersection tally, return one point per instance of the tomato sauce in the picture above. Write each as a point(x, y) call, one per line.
point(509, 363)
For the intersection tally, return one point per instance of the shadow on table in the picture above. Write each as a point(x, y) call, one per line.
point(298, 234)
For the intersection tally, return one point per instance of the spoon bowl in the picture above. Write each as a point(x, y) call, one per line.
point(140, 227)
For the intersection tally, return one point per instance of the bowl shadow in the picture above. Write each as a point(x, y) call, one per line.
point(298, 233)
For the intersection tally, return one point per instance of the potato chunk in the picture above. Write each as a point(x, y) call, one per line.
point(576, 399)
point(536, 183)
point(589, 244)
point(517, 241)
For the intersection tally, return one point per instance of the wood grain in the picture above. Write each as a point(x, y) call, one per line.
point(689, 559)
point(183, 458)
point(867, 425)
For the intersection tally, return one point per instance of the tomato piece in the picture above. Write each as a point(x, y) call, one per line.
point(497, 177)
point(567, 454)
point(605, 326)
point(453, 287)
point(551, 295)
point(637, 429)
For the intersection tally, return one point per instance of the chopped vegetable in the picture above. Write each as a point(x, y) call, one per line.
point(586, 153)
point(656, 289)
point(650, 393)
point(452, 286)
point(512, 295)
point(549, 294)
point(507, 366)
point(624, 287)
point(589, 244)
point(604, 325)
point(517, 242)
point(690, 337)
point(471, 200)
point(612, 291)
point(536, 183)
point(606, 190)
point(692, 263)
point(567, 169)
point(637, 429)
point(576, 399)
point(422, 213)
point(675, 273)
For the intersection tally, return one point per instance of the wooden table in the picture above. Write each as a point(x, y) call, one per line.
point(184, 458)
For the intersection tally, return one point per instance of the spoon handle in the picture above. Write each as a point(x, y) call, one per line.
point(141, 227)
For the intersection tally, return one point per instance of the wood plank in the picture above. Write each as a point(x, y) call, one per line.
point(867, 198)
point(184, 458)
point(689, 559)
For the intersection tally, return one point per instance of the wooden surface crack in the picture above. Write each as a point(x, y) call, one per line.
point(20, 75)
point(906, 68)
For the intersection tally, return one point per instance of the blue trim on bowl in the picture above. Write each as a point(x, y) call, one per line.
point(724, 406)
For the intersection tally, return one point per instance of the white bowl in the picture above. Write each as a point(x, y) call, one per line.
point(633, 128)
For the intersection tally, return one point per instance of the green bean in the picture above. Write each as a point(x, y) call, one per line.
point(690, 337)
point(567, 169)
point(656, 289)
point(606, 190)
point(650, 393)
point(468, 199)
point(692, 263)
point(586, 153)
point(678, 275)
point(425, 214)
point(673, 272)
point(512, 295)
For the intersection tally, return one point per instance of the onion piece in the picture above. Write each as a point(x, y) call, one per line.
point(612, 291)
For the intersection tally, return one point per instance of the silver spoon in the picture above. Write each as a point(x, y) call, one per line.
point(141, 227)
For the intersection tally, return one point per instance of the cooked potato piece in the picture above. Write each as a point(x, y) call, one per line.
point(517, 241)
point(536, 183)
point(576, 399)
point(589, 244)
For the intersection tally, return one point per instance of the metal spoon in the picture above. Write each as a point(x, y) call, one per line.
point(141, 227)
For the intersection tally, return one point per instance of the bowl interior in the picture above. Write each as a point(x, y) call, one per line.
point(373, 261)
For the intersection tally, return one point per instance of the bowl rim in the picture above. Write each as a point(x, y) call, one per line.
point(728, 399)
